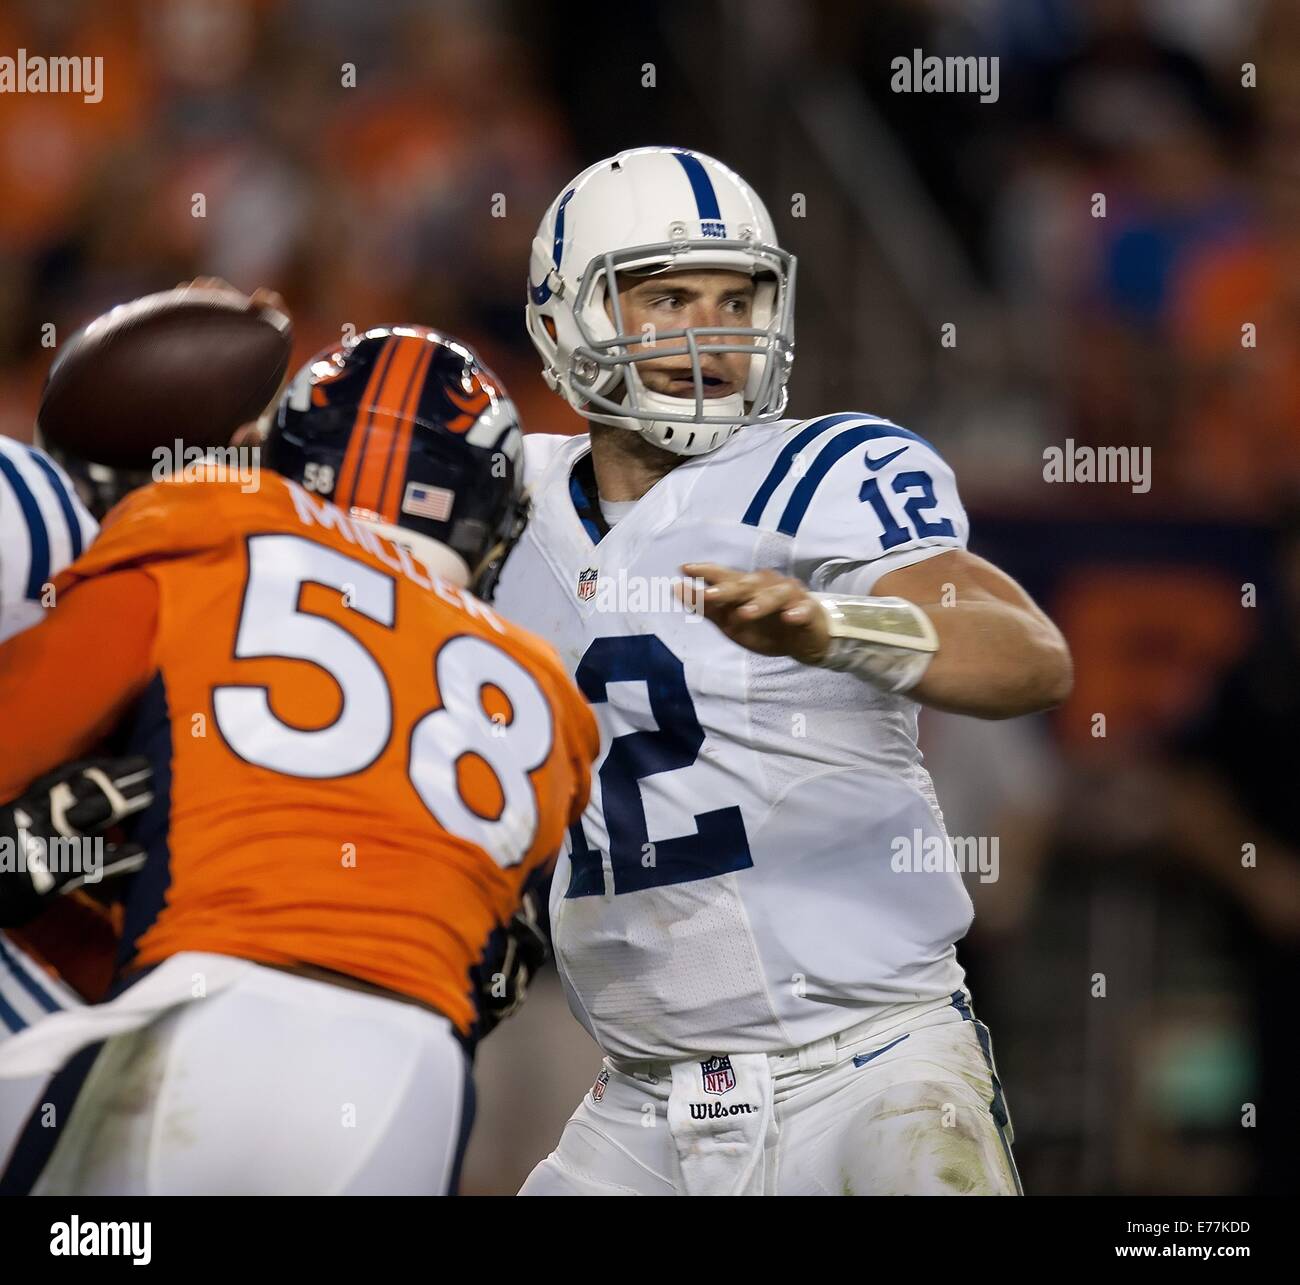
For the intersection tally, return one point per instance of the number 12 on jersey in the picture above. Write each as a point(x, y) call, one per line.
point(719, 844)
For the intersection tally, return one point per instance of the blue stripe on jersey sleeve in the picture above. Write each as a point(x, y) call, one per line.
point(830, 455)
point(785, 461)
point(10, 1018)
point(27, 981)
point(39, 568)
point(60, 487)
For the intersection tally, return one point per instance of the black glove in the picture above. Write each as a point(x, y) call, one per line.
point(503, 988)
point(77, 801)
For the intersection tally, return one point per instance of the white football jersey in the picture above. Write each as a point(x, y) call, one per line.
point(732, 886)
point(43, 527)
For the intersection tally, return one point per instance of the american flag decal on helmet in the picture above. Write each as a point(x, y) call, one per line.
point(433, 502)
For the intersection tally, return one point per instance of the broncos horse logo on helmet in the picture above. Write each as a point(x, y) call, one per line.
point(408, 430)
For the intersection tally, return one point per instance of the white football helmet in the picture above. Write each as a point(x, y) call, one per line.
point(658, 209)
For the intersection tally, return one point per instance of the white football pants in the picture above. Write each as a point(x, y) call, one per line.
point(27, 993)
point(274, 1085)
point(910, 1108)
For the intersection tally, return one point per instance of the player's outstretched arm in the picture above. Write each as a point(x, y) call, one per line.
point(65, 682)
point(997, 656)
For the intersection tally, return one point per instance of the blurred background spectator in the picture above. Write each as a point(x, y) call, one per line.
point(1109, 253)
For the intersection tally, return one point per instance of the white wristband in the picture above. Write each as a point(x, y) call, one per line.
point(888, 641)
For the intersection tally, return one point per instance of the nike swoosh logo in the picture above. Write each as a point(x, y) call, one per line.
point(863, 1058)
point(876, 465)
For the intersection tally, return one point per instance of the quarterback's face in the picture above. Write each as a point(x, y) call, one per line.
point(676, 301)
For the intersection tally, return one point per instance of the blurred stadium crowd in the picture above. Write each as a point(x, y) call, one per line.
point(1131, 969)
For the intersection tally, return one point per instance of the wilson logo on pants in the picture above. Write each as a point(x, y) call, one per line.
point(716, 1111)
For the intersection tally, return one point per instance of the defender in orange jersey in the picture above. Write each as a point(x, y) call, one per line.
point(358, 768)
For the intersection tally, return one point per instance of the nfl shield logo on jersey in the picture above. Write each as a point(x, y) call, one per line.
point(719, 1078)
point(598, 1089)
point(587, 584)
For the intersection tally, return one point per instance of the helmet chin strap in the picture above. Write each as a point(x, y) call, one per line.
point(686, 438)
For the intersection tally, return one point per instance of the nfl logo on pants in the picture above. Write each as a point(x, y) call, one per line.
point(719, 1078)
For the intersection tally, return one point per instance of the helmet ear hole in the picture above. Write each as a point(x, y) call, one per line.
point(599, 324)
point(548, 324)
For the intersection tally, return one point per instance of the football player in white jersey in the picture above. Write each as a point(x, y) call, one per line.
point(756, 917)
point(43, 527)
